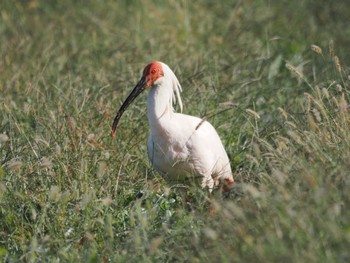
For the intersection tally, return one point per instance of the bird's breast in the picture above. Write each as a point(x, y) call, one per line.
point(169, 156)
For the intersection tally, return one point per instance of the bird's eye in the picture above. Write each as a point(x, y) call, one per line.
point(153, 71)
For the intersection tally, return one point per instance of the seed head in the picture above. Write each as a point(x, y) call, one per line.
point(295, 71)
point(14, 165)
point(337, 63)
point(252, 113)
point(325, 93)
point(331, 48)
point(316, 49)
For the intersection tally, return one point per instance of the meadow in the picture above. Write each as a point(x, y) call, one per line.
point(271, 76)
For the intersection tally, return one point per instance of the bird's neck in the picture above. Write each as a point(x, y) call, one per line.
point(159, 108)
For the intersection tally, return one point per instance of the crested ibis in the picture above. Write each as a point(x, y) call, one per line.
point(179, 146)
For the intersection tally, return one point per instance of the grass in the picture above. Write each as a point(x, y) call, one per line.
point(70, 193)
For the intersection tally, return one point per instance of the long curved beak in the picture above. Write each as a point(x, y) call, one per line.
point(140, 86)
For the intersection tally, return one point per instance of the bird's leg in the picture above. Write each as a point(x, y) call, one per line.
point(227, 185)
point(212, 209)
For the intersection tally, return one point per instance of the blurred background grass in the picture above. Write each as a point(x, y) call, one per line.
point(68, 192)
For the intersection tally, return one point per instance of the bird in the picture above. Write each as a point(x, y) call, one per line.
point(179, 146)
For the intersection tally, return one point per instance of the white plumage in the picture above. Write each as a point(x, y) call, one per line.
point(179, 146)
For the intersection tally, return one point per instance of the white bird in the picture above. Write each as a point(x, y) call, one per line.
point(179, 146)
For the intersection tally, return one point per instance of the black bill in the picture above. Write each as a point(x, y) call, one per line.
point(140, 86)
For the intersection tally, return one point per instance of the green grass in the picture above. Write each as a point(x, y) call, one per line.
point(71, 193)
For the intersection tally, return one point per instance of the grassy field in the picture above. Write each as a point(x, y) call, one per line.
point(71, 193)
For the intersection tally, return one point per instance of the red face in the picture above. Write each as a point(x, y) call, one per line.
point(152, 72)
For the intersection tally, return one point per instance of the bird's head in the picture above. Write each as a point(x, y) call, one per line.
point(152, 74)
